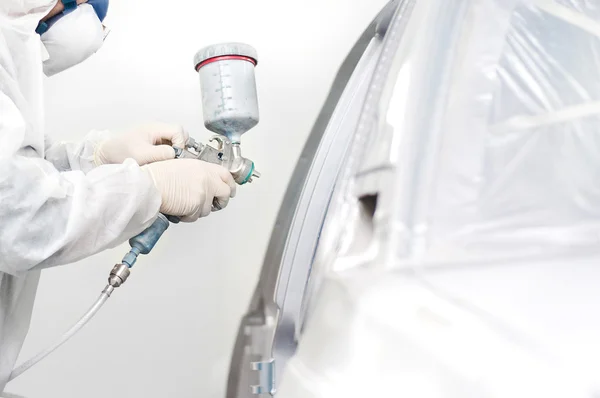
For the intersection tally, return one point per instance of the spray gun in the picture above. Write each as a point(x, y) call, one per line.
point(230, 108)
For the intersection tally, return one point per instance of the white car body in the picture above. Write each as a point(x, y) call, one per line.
point(445, 240)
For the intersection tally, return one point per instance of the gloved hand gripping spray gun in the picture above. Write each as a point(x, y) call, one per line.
point(230, 108)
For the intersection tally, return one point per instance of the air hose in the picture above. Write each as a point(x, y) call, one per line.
point(140, 244)
point(70, 333)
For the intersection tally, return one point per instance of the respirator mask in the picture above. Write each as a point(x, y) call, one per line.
point(74, 35)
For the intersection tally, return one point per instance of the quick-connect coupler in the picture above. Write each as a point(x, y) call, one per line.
point(118, 275)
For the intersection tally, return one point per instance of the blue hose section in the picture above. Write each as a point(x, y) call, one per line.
point(144, 242)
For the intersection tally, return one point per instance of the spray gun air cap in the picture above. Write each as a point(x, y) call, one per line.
point(228, 85)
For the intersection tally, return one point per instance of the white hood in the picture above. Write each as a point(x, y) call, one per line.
point(24, 15)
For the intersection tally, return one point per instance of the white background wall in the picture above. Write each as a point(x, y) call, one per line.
point(169, 331)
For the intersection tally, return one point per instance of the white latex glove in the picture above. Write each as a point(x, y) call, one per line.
point(144, 144)
point(188, 187)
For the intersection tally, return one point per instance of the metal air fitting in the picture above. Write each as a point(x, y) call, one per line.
point(118, 275)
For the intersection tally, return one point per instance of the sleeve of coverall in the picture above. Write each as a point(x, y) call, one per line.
point(66, 155)
point(51, 217)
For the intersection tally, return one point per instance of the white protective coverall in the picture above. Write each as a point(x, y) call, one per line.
point(55, 207)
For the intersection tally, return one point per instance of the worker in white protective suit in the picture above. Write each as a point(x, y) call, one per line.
point(61, 202)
